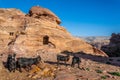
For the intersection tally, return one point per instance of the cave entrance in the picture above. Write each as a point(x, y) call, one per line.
point(45, 40)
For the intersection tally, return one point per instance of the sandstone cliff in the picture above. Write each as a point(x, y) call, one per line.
point(113, 48)
point(38, 31)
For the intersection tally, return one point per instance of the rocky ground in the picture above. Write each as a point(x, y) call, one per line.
point(91, 68)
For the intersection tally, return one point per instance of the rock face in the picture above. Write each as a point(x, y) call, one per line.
point(38, 32)
point(11, 21)
point(43, 13)
point(113, 48)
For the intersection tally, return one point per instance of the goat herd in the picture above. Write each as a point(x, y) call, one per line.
point(13, 64)
point(21, 62)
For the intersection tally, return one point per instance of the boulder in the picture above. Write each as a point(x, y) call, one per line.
point(43, 13)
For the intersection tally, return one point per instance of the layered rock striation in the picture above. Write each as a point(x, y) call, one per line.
point(38, 32)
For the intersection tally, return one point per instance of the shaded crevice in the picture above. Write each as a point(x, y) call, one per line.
point(47, 42)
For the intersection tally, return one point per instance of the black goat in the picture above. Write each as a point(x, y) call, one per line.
point(27, 62)
point(76, 60)
point(11, 63)
point(63, 58)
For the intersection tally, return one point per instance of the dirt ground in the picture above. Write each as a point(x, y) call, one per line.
point(91, 68)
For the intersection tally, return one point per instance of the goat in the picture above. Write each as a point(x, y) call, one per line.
point(27, 62)
point(11, 63)
point(63, 58)
point(75, 60)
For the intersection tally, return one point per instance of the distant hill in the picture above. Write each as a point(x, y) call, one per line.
point(96, 41)
point(94, 38)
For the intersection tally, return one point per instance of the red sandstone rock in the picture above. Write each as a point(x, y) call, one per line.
point(25, 35)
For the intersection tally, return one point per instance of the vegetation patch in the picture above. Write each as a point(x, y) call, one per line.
point(104, 77)
point(99, 71)
point(108, 62)
point(87, 69)
point(114, 73)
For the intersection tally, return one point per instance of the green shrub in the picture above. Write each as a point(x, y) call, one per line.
point(114, 73)
point(87, 69)
point(99, 71)
point(108, 63)
point(104, 77)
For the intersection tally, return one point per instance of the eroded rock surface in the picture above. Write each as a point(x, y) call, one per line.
point(38, 32)
point(43, 13)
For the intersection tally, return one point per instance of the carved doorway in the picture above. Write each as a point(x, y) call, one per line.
point(45, 40)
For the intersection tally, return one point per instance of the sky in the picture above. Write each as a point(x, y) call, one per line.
point(79, 17)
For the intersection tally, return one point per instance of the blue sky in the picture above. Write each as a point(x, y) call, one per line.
point(79, 17)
